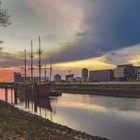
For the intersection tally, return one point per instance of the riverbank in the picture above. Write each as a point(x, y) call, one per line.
point(115, 90)
point(16, 124)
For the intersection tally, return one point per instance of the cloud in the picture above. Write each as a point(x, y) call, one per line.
point(8, 60)
point(124, 55)
point(92, 63)
point(1, 42)
point(21, 37)
point(108, 25)
point(51, 37)
point(76, 30)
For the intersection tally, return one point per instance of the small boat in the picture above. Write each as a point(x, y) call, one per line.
point(54, 92)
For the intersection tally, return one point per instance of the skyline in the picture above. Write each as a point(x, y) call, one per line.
point(94, 34)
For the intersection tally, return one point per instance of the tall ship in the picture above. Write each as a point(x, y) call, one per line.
point(35, 85)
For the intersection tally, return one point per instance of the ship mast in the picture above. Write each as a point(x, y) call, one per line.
point(39, 52)
point(51, 69)
point(25, 64)
point(31, 62)
point(45, 72)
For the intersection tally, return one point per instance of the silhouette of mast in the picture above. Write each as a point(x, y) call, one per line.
point(45, 72)
point(31, 62)
point(25, 64)
point(51, 70)
point(39, 52)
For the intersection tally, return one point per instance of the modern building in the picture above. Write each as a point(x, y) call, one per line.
point(18, 77)
point(126, 72)
point(101, 75)
point(138, 73)
point(57, 78)
point(84, 74)
point(69, 78)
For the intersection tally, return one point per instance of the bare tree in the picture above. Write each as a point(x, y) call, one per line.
point(4, 17)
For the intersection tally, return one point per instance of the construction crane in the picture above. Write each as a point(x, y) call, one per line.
point(69, 72)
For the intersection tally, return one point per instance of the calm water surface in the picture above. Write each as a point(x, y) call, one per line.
point(114, 118)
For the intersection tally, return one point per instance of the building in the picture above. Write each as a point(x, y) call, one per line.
point(69, 78)
point(18, 77)
point(84, 74)
point(126, 72)
point(57, 78)
point(78, 79)
point(101, 75)
point(138, 73)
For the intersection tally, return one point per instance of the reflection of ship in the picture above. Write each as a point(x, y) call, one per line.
point(38, 105)
point(55, 92)
point(43, 103)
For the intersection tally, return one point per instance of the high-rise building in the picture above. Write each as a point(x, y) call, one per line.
point(84, 74)
point(18, 77)
point(57, 78)
point(69, 78)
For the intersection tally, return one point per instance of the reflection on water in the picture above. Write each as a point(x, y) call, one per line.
point(114, 118)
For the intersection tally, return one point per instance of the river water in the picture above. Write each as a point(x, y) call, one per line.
point(114, 118)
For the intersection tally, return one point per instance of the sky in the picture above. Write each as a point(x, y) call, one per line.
point(97, 34)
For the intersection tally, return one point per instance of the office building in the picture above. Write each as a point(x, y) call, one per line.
point(101, 75)
point(57, 78)
point(126, 72)
point(138, 73)
point(84, 74)
point(69, 78)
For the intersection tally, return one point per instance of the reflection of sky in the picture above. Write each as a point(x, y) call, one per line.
point(104, 116)
point(10, 98)
point(114, 118)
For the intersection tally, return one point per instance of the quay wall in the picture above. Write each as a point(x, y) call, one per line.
point(117, 90)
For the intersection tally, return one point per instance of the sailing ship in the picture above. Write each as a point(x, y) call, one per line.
point(37, 88)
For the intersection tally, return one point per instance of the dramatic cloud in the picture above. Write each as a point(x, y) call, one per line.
point(8, 61)
point(109, 25)
point(93, 63)
point(72, 30)
point(124, 55)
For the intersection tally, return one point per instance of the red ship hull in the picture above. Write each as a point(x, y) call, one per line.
point(42, 89)
point(36, 90)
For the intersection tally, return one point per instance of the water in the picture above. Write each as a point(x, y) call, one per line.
point(114, 118)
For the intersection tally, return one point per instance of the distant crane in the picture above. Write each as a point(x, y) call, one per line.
point(69, 72)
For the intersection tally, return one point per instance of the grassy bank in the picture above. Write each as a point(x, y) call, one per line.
point(107, 90)
point(19, 125)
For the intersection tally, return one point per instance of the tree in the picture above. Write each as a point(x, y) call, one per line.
point(4, 17)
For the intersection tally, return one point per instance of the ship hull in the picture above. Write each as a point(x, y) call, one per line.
point(36, 90)
point(42, 89)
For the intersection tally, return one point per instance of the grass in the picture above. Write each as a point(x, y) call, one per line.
point(7, 127)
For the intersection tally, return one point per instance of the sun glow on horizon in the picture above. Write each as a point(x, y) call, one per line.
point(92, 63)
point(6, 74)
point(135, 60)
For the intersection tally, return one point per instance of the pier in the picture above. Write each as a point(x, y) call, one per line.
point(117, 89)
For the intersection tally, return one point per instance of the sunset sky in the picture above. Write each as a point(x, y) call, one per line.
point(97, 34)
